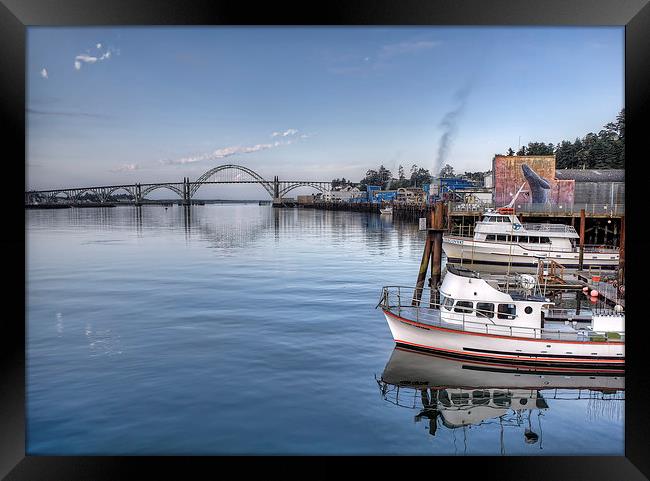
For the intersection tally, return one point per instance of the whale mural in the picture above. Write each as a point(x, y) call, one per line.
point(539, 186)
point(529, 179)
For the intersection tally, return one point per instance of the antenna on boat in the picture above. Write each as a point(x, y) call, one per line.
point(512, 202)
point(509, 258)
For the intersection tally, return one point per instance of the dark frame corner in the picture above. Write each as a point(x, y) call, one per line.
point(17, 15)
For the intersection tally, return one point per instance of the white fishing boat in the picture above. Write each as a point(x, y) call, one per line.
point(476, 319)
point(386, 210)
point(501, 239)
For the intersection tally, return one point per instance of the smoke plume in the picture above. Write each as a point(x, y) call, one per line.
point(449, 125)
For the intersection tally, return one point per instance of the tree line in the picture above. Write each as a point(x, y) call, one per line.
point(604, 150)
point(418, 176)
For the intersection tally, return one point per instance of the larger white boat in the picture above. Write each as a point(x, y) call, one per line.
point(501, 239)
point(475, 319)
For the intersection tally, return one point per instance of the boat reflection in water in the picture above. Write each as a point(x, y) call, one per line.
point(457, 394)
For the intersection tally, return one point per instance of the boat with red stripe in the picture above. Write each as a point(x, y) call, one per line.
point(471, 317)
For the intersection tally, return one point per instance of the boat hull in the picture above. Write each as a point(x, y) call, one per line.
point(505, 349)
point(458, 249)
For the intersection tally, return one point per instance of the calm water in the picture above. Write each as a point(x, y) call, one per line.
point(248, 330)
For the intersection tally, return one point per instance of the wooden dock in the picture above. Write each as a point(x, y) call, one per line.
point(605, 290)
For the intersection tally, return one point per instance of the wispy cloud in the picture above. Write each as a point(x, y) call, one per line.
point(94, 58)
point(44, 73)
point(220, 154)
point(286, 133)
point(125, 168)
point(66, 114)
point(234, 150)
point(395, 49)
point(363, 62)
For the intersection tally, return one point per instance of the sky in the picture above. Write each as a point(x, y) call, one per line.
point(108, 106)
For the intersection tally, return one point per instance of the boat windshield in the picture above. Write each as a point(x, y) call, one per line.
point(447, 302)
point(496, 218)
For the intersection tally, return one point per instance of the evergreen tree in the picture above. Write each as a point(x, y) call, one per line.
point(447, 171)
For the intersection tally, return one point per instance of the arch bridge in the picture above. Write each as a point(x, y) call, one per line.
point(136, 193)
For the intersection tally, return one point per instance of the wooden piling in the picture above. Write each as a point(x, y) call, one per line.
point(582, 239)
point(621, 254)
point(437, 228)
point(424, 266)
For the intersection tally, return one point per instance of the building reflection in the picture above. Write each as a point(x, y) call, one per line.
point(456, 394)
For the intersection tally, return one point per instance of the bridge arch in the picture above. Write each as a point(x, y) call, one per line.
point(55, 195)
point(194, 186)
point(154, 187)
point(290, 187)
point(77, 195)
point(127, 190)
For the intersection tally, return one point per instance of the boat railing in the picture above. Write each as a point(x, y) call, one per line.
point(601, 248)
point(543, 208)
point(421, 305)
point(541, 227)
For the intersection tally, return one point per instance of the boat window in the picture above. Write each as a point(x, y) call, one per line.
point(501, 399)
point(443, 398)
point(507, 311)
point(464, 306)
point(460, 398)
point(544, 240)
point(448, 302)
point(485, 309)
point(488, 219)
point(523, 238)
point(501, 238)
point(480, 398)
point(491, 237)
point(534, 240)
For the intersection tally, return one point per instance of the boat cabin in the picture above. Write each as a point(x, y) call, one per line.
point(466, 297)
point(506, 228)
point(462, 407)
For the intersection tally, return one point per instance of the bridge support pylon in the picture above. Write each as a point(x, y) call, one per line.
point(138, 195)
point(186, 191)
point(277, 200)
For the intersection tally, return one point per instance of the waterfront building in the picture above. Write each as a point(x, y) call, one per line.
point(341, 194)
point(595, 186)
point(411, 195)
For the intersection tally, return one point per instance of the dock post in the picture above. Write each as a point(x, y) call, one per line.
point(437, 227)
point(582, 239)
point(424, 264)
point(621, 254)
point(424, 267)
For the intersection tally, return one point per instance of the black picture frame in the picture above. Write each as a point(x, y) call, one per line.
point(16, 15)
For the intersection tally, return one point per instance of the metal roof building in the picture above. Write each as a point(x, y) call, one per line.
point(596, 186)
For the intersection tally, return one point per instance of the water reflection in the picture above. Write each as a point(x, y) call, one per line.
point(455, 395)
